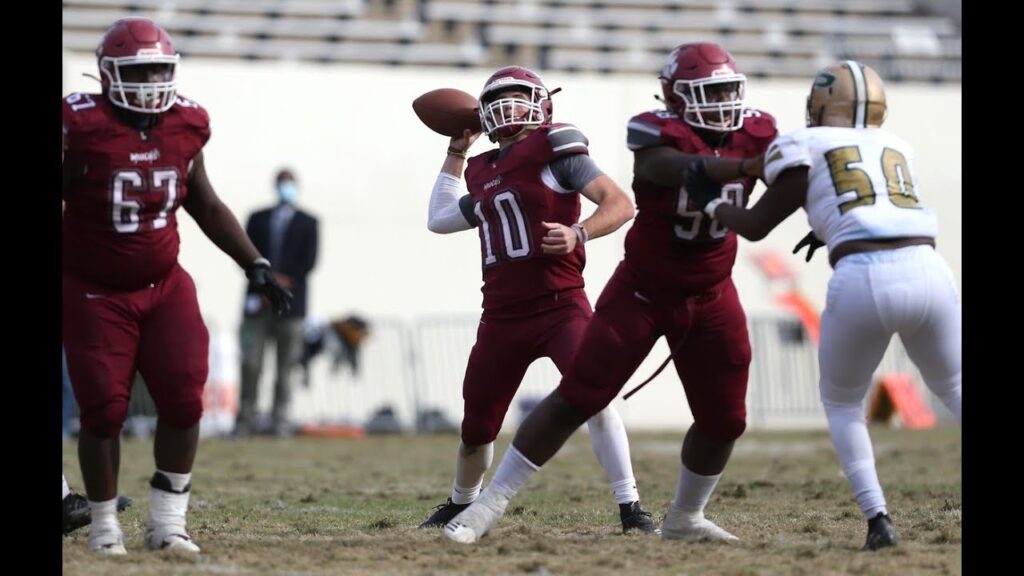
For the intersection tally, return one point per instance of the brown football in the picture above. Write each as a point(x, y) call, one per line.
point(448, 111)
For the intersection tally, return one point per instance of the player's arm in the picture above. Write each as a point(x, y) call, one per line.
point(69, 170)
point(614, 207)
point(657, 162)
point(578, 172)
point(219, 224)
point(785, 196)
point(215, 219)
point(664, 166)
point(449, 210)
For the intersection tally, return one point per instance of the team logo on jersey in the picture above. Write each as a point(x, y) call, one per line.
point(492, 183)
point(151, 156)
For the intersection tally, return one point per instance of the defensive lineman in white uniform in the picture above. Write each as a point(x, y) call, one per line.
point(856, 183)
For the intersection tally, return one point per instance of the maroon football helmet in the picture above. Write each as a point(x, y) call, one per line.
point(701, 84)
point(507, 117)
point(138, 66)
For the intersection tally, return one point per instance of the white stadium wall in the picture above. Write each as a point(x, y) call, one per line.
point(366, 165)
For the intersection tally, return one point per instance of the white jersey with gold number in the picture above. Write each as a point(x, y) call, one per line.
point(860, 184)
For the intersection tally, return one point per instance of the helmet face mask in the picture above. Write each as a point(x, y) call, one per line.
point(700, 84)
point(513, 99)
point(138, 66)
point(714, 103)
point(848, 95)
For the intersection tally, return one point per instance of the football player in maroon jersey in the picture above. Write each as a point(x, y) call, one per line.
point(524, 200)
point(675, 281)
point(132, 156)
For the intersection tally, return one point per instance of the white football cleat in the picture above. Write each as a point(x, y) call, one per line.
point(106, 540)
point(169, 537)
point(687, 526)
point(165, 526)
point(472, 523)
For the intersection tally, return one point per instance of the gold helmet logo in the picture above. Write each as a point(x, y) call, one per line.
point(849, 95)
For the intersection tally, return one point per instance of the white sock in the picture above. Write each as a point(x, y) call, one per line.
point(611, 446)
point(66, 489)
point(178, 481)
point(693, 492)
point(104, 515)
point(850, 437)
point(513, 473)
point(169, 508)
point(863, 479)
point(625, 492)
point(470, 466)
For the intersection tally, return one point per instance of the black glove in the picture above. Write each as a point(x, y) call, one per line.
point(812, 242)
point(262, 278)
point(699, 186)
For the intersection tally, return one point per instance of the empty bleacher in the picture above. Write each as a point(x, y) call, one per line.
point(770, 38)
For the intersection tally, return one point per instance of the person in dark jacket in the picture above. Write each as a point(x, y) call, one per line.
point(289, 237)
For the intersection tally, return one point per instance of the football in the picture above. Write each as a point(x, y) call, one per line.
point(448, 111)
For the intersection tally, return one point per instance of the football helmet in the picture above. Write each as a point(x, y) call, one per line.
point(507, 117)
point(700, 84)
point(138, 66)
point(848, 94)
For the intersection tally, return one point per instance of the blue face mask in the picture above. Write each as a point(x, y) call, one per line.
point(287, 191)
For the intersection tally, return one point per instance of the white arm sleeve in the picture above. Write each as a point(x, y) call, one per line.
point(445, 215)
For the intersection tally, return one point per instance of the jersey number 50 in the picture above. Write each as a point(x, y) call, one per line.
point(899, 182)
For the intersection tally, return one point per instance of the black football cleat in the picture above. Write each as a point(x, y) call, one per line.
point(77, 514)
point(881, 533)
point(443, 514)
point(635, 518)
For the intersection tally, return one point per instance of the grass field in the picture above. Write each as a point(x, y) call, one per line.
point(314, 506)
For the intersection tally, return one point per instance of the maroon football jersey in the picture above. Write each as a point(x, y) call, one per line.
point(512, 194)
point(120, 229)
point(672, 242)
